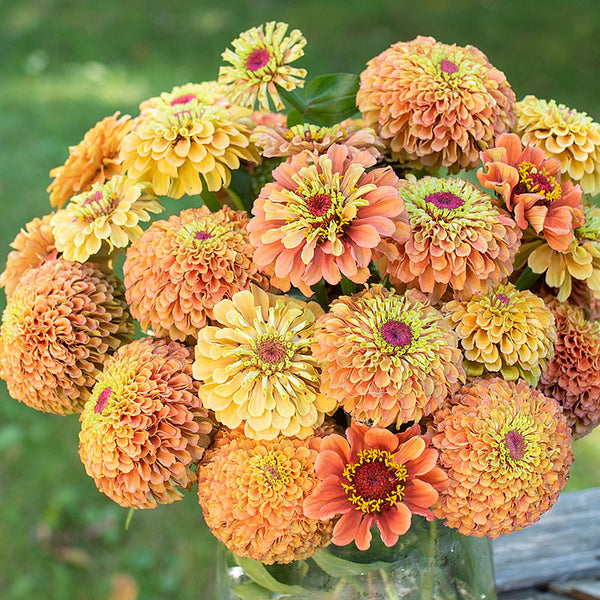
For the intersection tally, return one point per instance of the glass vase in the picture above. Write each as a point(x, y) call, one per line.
point(430, 562)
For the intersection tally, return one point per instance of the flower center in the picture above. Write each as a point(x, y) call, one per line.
point(448, 66)
point(103, 399)
point(319, 204)
point(97, 204)
point(396, 333)
point(375, 482)
point(503, 299)
point(257, 59)
point(537, 182)
point(202, 236)
point(446, 200)
point(273, 471)
point(515, 444)
point(271, 351)
point(183, 99)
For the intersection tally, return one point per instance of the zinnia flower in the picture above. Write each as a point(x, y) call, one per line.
point(531, 189)
point(260, 61)
point(61, 323)
point(179, 269)
point(109, 212)
point(506, 330)
point(183, 148)
point(439, 105)
point(256, 367)
point(321, 218)
point(507, 451)
point(573, 375)
point(375, 477)
point(252, 491)
point(143, 428)
point(458, 240)
point(207, 92)
point(33, 246)
point(94, 160)
point(387, 358)
point(568, 135)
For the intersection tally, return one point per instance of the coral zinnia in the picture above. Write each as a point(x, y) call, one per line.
point(458, 239)
point(256, 367)
point(252, 491)
point(531, 189)
point(109, 212)
point(563, 133)
point(94, 160)
point(180, 149)
point(59, 325)
point(33, 246)
point(321, 218)
point(505, 330)
point(387, 358)
point(438, 104)
point(143, 428)
point(507, 451)
point(260, 62)
point(179, 269)
point(573, 375)
point(375, 477)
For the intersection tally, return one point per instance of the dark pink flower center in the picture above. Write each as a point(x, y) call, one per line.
point(396, 333)
point(448, 66)
point(503, 299)
point(202, 236)
point(271, 351)
point(446, 200)
point(103, 399)
point(537, 181)
point(515, 444)
point(319, 204)
point(272, 473)
point(93, 199)
point(183, 99)
point(374, 481)
point(257, 59)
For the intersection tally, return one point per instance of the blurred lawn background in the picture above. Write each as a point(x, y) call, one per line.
point(66, 64)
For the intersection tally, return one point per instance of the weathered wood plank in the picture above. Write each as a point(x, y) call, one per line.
point(564, 544)
point(580, 589)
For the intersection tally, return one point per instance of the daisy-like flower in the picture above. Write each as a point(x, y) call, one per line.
point(33, 246)
point(143, 429)
point(205, 93)
point(531, 189)
point(375, 477)
point(252, 492)
point(256, 366)
point(506, 330)
point(387, 358)
point(563, 133)
point(437, 104)
point(94, 160)
point(60, 324)
point(183, 148)
point(322, 217)
point(458, 240)
point(507, 451)
point(284, 141)
point(179, 269)
point(260, 62)
point(110, 212)
point(573, 375)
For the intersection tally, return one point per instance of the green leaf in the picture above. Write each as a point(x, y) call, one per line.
point(294, 117)
point(259, 574)
point(526, 279)
point(241, 184)
point(345, 569)
point(251, 591)
point(331, 98)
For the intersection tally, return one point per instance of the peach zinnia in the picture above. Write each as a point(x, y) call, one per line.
point(439, 105)
point(322, 217)
point(375, 477)
point(387, 358)
point(207, 92)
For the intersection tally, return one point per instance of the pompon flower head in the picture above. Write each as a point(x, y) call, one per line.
point(144, 429)
point(59, 326)
point(572, 377)
point(506, 330)
point(374, 477)
point(179, 269)
point(110, 212)
point(260, 62)
point(283, 141)
point(459, 241)
point(439, 105)
point(531, 190)
point(322, 217)
point(94, 160)
point(184, 148)
point(252, 491)
point(33, 246)
point(507, 451)
point(387, 358)
point(256, 368)
point(206, 93)
point(568, 135)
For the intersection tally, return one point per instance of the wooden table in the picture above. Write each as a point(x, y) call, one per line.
point(557, 557)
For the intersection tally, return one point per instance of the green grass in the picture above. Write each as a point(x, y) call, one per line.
point(64, 66)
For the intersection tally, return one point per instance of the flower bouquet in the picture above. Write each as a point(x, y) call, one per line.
point(368, 338)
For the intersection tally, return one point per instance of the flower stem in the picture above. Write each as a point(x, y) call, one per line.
point(429, 575)
point(389, 588)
